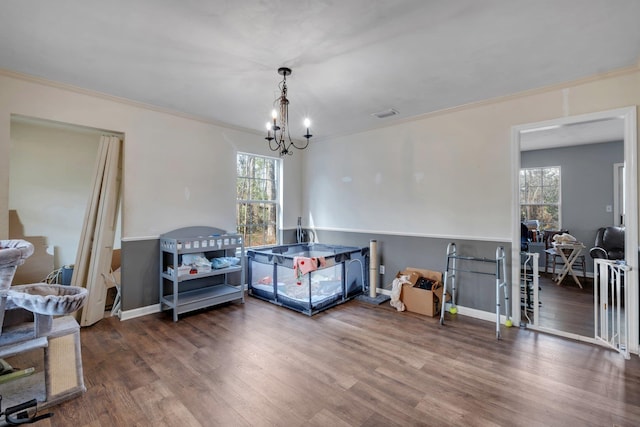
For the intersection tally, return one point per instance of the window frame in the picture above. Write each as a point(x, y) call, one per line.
point(276, 203)
point(558, 205)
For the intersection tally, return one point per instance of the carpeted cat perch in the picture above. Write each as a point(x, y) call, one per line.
point(36, 317)
point(373, 297)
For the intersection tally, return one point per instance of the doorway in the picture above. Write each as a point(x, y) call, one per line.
point(52, 165)
point(582, 132)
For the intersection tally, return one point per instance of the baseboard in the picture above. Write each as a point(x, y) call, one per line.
point(144, 311)
point(139, 312)
point(465, 311)
point(478, 314)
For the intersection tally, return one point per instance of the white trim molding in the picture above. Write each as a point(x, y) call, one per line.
point(629, 115)
point(406, 234)
point(139, 312)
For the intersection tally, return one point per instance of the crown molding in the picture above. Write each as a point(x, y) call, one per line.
point(121, 100)
point(500, 99)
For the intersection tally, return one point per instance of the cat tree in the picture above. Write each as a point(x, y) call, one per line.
point(37, 317)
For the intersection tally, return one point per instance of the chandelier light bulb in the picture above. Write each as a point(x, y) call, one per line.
point(274, 114)
point(307, 122)
point(269, 126)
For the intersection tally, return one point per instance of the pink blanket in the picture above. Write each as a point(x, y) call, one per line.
point(303, 265)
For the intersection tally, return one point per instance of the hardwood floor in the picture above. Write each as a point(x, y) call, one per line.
point(567, 307)
point(353, 365)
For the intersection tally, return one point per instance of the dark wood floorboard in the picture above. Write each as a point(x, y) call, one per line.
point(353, 365)
point(567, 307)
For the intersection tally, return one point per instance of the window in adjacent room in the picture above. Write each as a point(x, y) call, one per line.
point(540, 196)
point(258, 199)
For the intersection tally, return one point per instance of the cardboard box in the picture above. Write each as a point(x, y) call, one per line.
point(418, 300)
point(37, 267)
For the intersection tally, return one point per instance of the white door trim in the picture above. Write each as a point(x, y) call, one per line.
point(628, 114)
point(618, 202)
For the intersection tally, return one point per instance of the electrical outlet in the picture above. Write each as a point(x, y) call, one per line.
point(382, 269)
point(609, 208)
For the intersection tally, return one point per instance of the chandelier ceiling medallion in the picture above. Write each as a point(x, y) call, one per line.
point(278, 130)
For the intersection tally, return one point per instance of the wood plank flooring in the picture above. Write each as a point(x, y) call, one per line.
point(567, 307)
point(353, 365)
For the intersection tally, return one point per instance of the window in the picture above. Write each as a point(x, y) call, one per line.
point(258, 199)
point(540, 196)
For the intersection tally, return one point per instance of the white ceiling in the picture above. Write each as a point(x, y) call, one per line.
point(589, 132)
point(217, 59)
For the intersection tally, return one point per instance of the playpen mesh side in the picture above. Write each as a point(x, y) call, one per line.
point(272, 277)
point(357, 268)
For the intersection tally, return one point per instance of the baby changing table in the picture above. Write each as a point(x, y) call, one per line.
point(185, 287)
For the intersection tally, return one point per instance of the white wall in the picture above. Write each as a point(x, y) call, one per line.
point(177, 171)
point(51, 169)
point(446, 174)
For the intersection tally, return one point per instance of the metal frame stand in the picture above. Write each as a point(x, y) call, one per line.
point(500, 274)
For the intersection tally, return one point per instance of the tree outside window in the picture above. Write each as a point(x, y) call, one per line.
point(258, 189)
point(540, 196)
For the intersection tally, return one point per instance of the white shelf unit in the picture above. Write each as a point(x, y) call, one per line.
point(182, 291)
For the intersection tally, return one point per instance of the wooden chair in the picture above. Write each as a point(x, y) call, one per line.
point(549, 251)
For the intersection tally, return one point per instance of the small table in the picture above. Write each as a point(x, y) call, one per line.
point(569, 252)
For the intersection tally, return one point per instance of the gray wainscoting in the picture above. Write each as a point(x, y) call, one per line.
point(140, 266)
point(397, 252)
point(140, 273)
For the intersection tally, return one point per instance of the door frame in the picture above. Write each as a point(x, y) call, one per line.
point(618, 198)
point(629, 115)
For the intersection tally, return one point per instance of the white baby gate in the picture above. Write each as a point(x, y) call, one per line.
point(611, 316)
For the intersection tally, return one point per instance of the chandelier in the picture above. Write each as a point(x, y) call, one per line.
point(278, 130)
